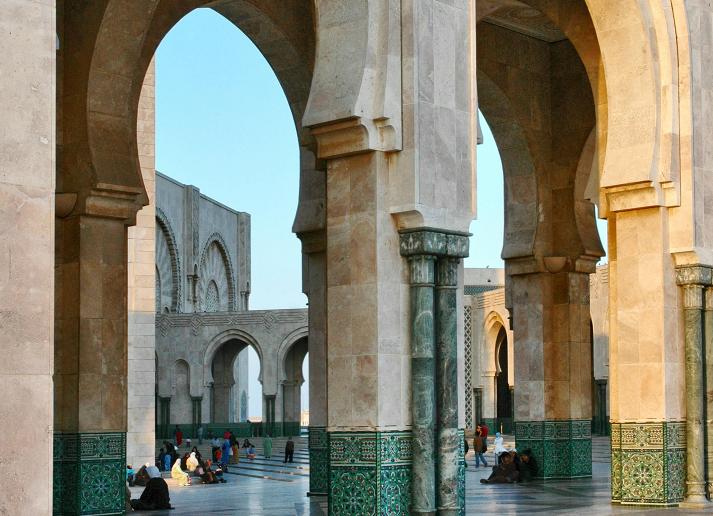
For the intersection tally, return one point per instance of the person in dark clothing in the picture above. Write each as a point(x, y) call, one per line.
point(154, 498)
point(504, 473)
point(184, 461)
point(289, 449)
point(161, 459)
point(528, 466)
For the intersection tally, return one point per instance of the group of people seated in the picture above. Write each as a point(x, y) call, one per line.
point(513, 467)
point(192, 465)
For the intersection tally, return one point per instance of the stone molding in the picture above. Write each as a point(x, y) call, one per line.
point(197, 320)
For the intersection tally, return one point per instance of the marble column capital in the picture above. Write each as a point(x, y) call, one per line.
point(436, 242)
point(694, 275)
point(693, 296)
point(447, 275)
point(313, 241)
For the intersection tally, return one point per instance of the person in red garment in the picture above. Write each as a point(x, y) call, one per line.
point(483, 430)
point(179, 436)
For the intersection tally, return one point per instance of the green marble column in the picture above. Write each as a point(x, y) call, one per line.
point(423, 402)
point(708, 377)
point(447, 386)
point(693, 329)
point(692, 280)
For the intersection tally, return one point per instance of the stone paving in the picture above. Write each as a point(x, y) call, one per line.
point(271, 488)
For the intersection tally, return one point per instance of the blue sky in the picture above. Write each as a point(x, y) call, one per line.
point(224, 125)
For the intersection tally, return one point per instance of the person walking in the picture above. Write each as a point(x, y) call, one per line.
point(200, 434)
point(289, 449)
point(178, 435)
point(267, 446)
point(480, 446)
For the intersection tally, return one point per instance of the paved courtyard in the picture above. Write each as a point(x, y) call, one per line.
point(271, 488)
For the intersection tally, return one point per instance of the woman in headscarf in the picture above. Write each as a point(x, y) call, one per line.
point(181, 477)
point(192, 462)
point(154, 497)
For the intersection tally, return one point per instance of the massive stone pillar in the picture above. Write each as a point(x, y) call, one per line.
point(91, 354)
point(647, 362)
point(27, 210)
point(708, 391)
point(315, 282)
point(553, 371)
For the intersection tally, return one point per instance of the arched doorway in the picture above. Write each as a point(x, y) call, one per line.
point(503, 390)
point(229, 388)
point(292, 403)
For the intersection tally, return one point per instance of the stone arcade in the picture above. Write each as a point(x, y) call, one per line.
point(604, 102)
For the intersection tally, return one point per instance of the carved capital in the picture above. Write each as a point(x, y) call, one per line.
point(109, 201)
point(434, 242)
point(694, 275)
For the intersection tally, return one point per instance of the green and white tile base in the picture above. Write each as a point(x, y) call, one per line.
point(318, 461)
point(89, 475)
point(648, 463)
point(562, 448)
point(370, 473)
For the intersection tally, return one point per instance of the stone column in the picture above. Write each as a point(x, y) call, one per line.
point(196, 411)
point(437, 465)
point(90, 354)
point(423, 401)
point(692, 280)
point(447, 385)
point(708, 376)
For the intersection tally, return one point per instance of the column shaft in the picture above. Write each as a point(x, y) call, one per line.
point(708, 379)
point(423, 398)
point(447, 386)
point(695, 459)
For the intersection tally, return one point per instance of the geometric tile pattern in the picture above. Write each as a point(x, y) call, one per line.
point(468, 366)
point(318, 460)
point(648, 463)
point(369, 473)
point(89, 473)
point(461, 473)
point(562, 448)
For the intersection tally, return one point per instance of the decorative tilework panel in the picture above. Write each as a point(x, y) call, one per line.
point(648, 463)
point(369, 473)
point(89, 473)
point(318, 460)
point(468, 338)
point(562, 448)
point(461, 474)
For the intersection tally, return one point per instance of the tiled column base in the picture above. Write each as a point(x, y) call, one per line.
point(318, 461)
point(89, 473)
point(648, 463)
point(563, 449)
point(369, 473)
point(461, 474)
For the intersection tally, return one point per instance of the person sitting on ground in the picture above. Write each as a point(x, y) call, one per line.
point(207, 474)
point(251, 452)
point(504, 473)
point(195, 450)
point(130, 475)
point(142, 477)
point(184, 461)
point(246, 443)
point(155, 497)
point(192, 462)
point(528, 466)
point(499, 446)
point(214, 446)
point(179, 475)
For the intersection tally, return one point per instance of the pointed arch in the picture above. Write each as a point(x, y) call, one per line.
point(168, 266)
point(216, 269)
